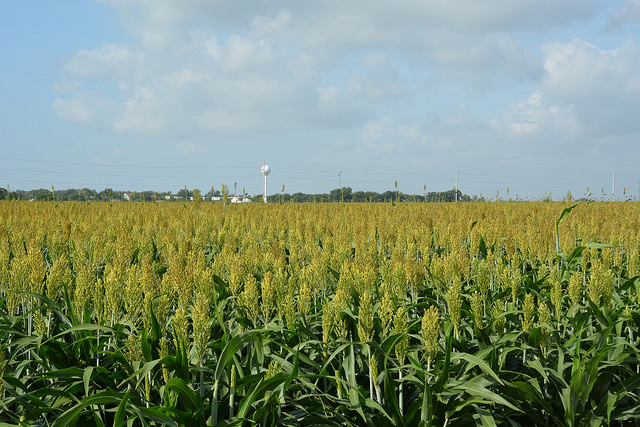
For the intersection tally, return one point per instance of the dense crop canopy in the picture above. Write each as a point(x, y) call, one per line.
point(340, 314)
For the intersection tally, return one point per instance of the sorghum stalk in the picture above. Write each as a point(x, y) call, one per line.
point(477, 307)
point(3, 366)
point(386, 313)
point(365, 328)
point(373, 363)
point(232, 391)
point(401, 326)
point(556, 297)
point(201, 331)
point(214, 403)
point(164, 352)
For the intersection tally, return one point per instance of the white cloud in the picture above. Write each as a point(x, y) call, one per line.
point(328, 96)
point(377, 78)
point(219, 67)
point(223, 66)
point(625, 14)
point(108, 61)
point(533, 118)
point(84, 110)
point(387, 136)
point(138, 112)
point(269, 25)
point(602, 86)
point(584, 107)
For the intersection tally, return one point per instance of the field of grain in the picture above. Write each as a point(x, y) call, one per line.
point(339, 314)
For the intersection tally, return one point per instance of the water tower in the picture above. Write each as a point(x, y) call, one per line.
point(265, 171)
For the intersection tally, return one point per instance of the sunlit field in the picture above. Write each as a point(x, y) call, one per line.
point(341, 314)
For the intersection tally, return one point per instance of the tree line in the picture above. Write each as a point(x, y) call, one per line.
point(345, 194)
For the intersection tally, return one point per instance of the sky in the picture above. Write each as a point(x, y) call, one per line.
point(513, 99)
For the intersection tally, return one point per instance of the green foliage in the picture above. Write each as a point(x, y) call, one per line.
point(573, 366)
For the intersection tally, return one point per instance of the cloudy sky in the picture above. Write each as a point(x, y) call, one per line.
point(525, 97)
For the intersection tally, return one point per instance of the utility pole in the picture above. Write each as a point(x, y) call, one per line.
point(613, 185)
point(340, 180)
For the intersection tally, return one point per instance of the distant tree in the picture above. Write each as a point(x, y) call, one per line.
point(42, 195)
point(335, 195)
point(300, 198)
point(389, 196)
point(105, 195)
point(360, 197)
point(347, 194)
point(184, 193)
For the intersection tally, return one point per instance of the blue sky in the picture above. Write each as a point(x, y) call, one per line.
point(523, 98)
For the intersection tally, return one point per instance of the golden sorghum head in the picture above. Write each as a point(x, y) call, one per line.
point(59, 275)
point(575, 288)
point(365, 318)
point(287, 310)
point(528, 309)
point(268, 291)
point(201, 328)
point(234, 374)
point(37, 268)
point(133, 349)
point(607, 256)
point(327, 324)
point(544, 322)
point(304, 299)
point(249, 299)
point(387, 308)
point(516, 280)
point(180, 327)
point(399, 279)
point(374, 368)
point(340, 303)
point(274, 369)
point(164, 352)
point(133, 294)
point(556, 296)
point(477, 308)
point(600, 283)
point(430, 332)
point(633, 263)
point(401, 326)
point(483, 277)
point(236, 275)
point(497, 310)
point(454, 304)
point(39, 323)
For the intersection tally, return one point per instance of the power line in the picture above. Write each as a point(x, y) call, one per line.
point(123, 165)
point(119, 175)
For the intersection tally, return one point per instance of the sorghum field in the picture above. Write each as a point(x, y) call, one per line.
point(337, 314)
